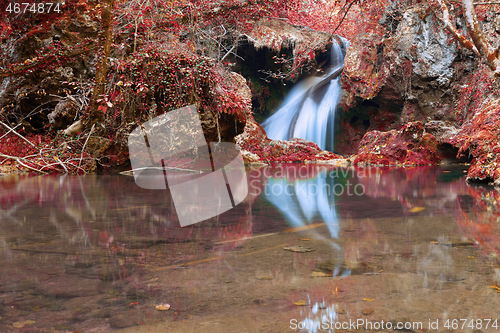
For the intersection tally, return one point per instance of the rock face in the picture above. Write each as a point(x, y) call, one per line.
point(275, 52)
point(409, 146)
point(420, 75)
point(257, 147)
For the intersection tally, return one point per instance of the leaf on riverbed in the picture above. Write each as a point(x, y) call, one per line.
point(416, 209)
point(368, 299)
point(21, 324)
point(163, 307)
point(497, 288)
point(300, 303)
point(298, 248)
point(367, 311)
point(320, 274)
point(18, 324)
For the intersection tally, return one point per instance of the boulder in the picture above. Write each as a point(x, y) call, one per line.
point(255, 143)
point(64, 114)
point(411, 145)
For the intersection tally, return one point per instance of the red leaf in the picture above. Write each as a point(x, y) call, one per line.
point(102, 108)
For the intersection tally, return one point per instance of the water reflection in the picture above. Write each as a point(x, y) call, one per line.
point(97, 253)
point(304, 194)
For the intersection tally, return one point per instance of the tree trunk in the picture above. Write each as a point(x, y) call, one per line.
point(479, 44)
point(106, 36)
point(482, 44)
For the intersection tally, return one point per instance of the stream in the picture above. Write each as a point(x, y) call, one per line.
point(310, 249)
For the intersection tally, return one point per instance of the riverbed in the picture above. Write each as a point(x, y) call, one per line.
point(310, 249)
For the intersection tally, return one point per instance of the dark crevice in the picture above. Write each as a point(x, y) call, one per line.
point(449, 154)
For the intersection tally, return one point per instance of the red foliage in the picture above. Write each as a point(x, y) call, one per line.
point(481, 141)
point(48, 154)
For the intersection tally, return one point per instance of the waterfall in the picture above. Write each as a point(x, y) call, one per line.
point(308, 111)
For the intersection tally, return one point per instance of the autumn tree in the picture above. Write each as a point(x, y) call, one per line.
point(97, 105)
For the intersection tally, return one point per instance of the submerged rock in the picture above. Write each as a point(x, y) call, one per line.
point(411, 145)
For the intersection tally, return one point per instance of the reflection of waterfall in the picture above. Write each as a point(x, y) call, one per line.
point(308, 111)
point(304, 200)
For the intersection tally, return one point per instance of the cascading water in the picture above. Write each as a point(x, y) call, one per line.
point(308, 111)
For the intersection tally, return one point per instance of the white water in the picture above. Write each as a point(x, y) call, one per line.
point(308, 111)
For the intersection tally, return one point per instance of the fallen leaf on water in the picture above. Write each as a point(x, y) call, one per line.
point(320, 274)
point(300, 303)
point(416, 209)
point(367, 311)
point(264, 278)
point(298, 248)
point(163, 307)
point(368, 299)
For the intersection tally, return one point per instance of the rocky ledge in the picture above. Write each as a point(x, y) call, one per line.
point(256, 147)
point(411, 145)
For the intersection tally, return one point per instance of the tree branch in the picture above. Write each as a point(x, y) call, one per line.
point(345, 14)
point(19, 135)
point(451, 28)
point(18, 159)
point(482, 44)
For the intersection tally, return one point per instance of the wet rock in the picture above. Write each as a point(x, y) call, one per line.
point(68, 286)
point(124, 321)
point(63, 115)
point(409, 146)
point(254, 140)
point(97, 145)
point(32, 303)
point(481, 140)
point(364, 75)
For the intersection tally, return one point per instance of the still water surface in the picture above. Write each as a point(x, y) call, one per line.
point(308, 248)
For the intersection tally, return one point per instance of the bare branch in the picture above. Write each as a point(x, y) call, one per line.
point(85, 144)
point(19, 135)
point(18, 159)
point(345, 14)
